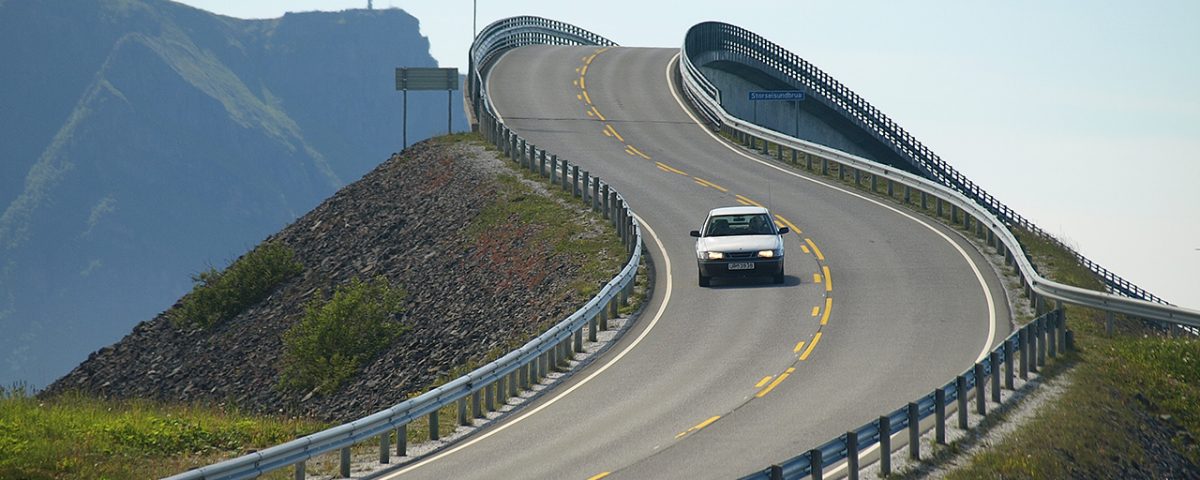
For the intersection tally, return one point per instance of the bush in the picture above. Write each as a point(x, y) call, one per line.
point(337, 337)
point(220, 296)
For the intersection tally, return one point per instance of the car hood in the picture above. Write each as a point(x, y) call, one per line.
point(738, 243)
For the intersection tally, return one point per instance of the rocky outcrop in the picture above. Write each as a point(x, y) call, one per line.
point(407, 221)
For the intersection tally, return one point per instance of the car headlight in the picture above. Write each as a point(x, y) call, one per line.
point(713, 255)
point(770, 253)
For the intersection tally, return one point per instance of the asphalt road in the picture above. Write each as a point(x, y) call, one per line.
point(713, 382)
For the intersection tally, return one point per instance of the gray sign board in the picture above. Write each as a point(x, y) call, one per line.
point(426, 78)
point(769, 95)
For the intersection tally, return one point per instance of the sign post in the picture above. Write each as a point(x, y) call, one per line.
point(428, 79)
point(794, 96)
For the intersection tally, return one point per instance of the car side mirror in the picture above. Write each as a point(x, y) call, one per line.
point(783, 230)
point(695, 233)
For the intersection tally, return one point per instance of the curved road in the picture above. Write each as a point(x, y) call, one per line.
point(714, 383)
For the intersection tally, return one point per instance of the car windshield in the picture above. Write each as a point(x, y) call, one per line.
point(727, 225)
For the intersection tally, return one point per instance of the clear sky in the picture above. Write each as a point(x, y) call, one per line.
point(1083, 116)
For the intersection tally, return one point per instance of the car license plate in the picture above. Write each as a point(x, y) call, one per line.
point(741, 266)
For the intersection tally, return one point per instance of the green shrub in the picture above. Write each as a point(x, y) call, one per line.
point(337, 337)
point(220, 296)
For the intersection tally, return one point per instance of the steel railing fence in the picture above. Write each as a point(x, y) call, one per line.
point(981, 214)
point(518, 369)
point(720, 41)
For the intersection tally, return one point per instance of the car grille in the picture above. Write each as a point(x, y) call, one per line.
point(740, 255)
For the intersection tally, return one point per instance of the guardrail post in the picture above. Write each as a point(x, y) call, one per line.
point(565, 174)
point(402, 440)
point(490, 397)
point(522, 159)
point(991, 237)
point(891, 188)
point(584, 184)
point(579, 340)
point(477, 404)
point(841, 172)
point(857, 177)
point(1041, 341)
point(385, 447)
point(795, 156)
point(554, 169)
point(595, 194)
point(463, 419)
point(885, 445)
point(299, 472)
point(433, 425)
point(954, 215)
point(825, 167)
point(980, 381)
point(594, 325)
point(779, 152)
point(914, 432)
point(924, 201)
point(1069, 339)
point(852, 454)
point(1033, 347)
point(512, 149)
point(874, 183)
point(1052, 335)
point(939, 416)
point(344, 463)
point(575, 181)
point(810, 159)
point(501, 391)
point(613, 312)
point(940, 212)
point(604, 195)
point(526, 373)
point(1023, 346)
point(1008, 364)
point(814, 464)
point(542, 163)
point(994, 363)
point(907, 195)
point(960, 386)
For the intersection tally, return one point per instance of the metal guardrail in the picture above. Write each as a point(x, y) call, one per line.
point(518, 369)
point(726, 42)
point(721, 41)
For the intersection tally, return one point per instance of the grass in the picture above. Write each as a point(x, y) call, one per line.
point(338, 336)
point(220, 296)
point(74, 436)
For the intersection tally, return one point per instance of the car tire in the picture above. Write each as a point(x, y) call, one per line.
point(704, 281)
point(779, 276)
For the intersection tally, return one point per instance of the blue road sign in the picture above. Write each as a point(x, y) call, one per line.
point(768, 95)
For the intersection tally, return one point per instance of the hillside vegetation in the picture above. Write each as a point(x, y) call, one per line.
point(1130, 410)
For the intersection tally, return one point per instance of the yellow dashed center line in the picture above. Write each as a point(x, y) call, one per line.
point(807, 351)
point(816, 251)
point(667, 168)
point(747, 201)
point(774, 384)
point(805, 248)
point(598, 476)
point(584, 70)
point(763, 381)
point(582, 83)
point(816, 310)
point(789, 224)
point(828, 281)
point(614, 132)
point(588, 98)
point(816, 278)
point(825, 313)
point(706, 183)
point(598, 115)
point(639, 152)
point(799, 346)
point(699, 426)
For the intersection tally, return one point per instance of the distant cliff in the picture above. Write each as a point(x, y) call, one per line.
point(142, 141)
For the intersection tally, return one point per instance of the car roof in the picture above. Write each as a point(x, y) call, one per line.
point(736, 211)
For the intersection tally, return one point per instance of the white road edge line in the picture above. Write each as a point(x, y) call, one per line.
point(657, 315)
point(978, 276)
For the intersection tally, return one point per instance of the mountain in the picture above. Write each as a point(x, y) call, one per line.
point(142, 141)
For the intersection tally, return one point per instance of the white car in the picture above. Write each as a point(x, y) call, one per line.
point(739, 242)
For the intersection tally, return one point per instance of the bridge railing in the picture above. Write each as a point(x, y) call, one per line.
point(970, 208)
point(716, 40)
point(520, 368)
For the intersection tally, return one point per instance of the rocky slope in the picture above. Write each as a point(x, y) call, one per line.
point(408, 221)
